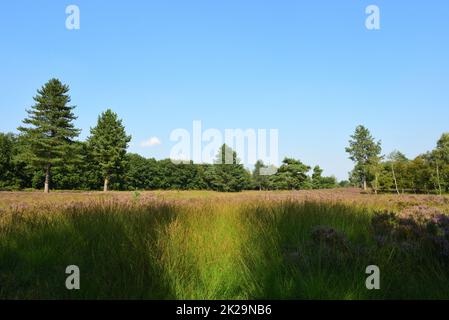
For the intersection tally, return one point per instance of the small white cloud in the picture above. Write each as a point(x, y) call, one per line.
point(153, 141)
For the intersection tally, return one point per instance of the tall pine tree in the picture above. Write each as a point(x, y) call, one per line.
point(51, 131)
point(365, 152)
point(227, 174)
point(108, 143)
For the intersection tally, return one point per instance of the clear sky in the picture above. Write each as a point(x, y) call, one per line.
point(307, 68)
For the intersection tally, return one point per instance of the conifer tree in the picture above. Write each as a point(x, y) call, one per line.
point(365, 152)
point(227, 174)
point(108, 143)
point(51, 131)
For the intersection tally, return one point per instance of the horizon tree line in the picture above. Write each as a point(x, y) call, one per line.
point(427, 173)
point(46, 152)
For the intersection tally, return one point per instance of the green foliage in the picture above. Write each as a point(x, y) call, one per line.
point(443, 148)
point(13, 171)
point(50, 131)
point(425, 174)
point(182, 176)
point(227, 174)
point(260, 181)
point(6, 159)
point(320, 182)
point(344, 184)
point(108, 143)
point(365, 152)
point(291, 175)
point(141, 173)
point(441, 163)
point(83, 175)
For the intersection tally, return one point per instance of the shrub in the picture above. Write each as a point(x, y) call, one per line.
point(413, 228)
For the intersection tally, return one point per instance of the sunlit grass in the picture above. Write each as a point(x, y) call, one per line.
point(203, 245)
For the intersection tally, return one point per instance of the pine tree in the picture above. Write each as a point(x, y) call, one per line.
point(227, 174)
point(292, 175)
point(51, 131)
point(108, 143)
point(317, 177)
point(260, 180)
point(365, 152)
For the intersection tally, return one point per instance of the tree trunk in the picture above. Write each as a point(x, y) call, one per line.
point(364, 184)
point(47, 180)
point(394, 178)
point(438, 179)
point(106, 182)
point(376, 183)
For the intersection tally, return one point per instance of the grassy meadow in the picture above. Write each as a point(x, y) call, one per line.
point(207, 245)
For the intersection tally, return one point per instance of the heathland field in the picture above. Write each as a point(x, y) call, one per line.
point(208, 245)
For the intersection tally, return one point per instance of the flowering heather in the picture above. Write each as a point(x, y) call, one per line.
point(414, 227)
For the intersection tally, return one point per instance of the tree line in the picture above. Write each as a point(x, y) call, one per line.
point(45, 154)
point(426, 173)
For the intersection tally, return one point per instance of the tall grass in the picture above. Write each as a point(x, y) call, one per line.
point(204, 249)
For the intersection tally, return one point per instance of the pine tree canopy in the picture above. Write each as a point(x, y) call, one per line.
point(108, 142)
point(50, 129)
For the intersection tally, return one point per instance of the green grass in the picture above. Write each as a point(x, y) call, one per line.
point(207, 250)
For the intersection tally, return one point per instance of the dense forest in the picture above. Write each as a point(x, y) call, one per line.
point(45, 154)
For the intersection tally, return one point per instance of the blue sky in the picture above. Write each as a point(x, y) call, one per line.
point(307, 68)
